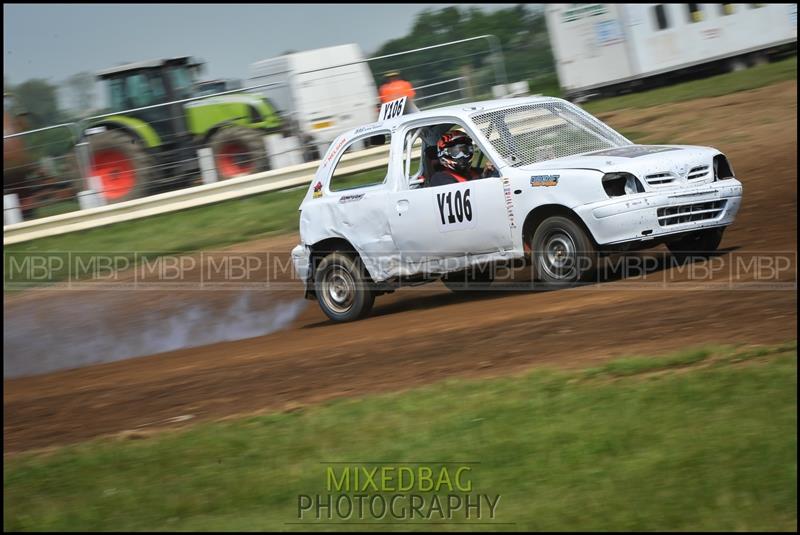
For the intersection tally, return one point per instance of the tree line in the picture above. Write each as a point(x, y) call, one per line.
point(522, 35)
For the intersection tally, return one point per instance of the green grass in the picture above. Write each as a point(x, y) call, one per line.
point(714, 86)
point(709, 445)
point(61, 207)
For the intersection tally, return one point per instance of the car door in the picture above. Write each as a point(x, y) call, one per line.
point(430, 224)
point(350, 202)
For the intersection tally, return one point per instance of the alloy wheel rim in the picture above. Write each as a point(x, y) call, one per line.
point(338, 289)
point(559, 255)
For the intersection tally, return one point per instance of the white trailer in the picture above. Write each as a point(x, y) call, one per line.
point(323, 91)
point(602, 48)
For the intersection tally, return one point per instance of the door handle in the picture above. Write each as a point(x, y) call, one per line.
point(402, 206)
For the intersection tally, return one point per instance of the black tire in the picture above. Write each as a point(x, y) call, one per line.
point(562, 253)
point(699, 244)
point(473, 279)
point(343, 287)
point(238, 151)
point(122, 165)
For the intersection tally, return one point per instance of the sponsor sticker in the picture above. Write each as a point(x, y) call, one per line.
point(367, 128)
point(351, 198)
point(544, 180)
point(509, 202)
point(318, 190)
point(334, 152)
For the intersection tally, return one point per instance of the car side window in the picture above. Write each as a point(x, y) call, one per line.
point(347, 174)
point(412, 159)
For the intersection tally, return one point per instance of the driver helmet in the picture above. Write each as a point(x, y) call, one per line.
point(455, 151)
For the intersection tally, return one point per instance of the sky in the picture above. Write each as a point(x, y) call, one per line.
point(54, 41)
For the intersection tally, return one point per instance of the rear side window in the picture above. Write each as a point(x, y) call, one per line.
point(347, 175)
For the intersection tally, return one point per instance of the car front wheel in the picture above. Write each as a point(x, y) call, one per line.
point(343, 287)
point(562, 253)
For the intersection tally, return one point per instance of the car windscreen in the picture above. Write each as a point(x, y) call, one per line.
point(531, 133)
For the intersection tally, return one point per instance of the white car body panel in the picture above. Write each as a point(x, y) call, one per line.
point(400, 232)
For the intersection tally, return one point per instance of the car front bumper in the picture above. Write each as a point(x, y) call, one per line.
point(646, 216)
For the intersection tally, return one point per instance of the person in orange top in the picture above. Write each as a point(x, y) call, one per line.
point(394, 88)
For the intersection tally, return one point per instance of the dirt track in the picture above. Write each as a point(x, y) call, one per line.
point(423, 335)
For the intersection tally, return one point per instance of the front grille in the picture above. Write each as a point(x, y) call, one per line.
point(698, 172)
point(659, 179)
point(664, 178)
point(686, 213)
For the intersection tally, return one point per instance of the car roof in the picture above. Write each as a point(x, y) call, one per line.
point(459, 110)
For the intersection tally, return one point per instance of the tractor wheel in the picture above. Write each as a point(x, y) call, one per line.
point(239, 151)
point(121, 164)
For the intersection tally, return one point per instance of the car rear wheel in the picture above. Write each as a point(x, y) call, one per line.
point(562, 253)
point(343, 287)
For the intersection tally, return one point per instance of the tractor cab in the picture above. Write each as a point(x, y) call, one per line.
point(138, 86)
point(148, 83)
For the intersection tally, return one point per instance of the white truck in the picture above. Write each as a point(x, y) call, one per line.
point(323, 91)
point(605, 48)
point(566, 188)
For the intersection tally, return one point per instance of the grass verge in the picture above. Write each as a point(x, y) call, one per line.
point(712, 446)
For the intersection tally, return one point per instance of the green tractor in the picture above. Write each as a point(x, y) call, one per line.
point(153, 147)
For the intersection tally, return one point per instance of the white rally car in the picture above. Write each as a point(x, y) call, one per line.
point(569, 188)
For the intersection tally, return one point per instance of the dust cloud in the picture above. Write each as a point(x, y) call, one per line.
point(75, 330)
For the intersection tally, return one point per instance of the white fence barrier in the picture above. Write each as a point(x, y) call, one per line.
point(208, 170)
point(11, 212)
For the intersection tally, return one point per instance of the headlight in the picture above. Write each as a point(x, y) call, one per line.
point(722, 168)
point(619, 184)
